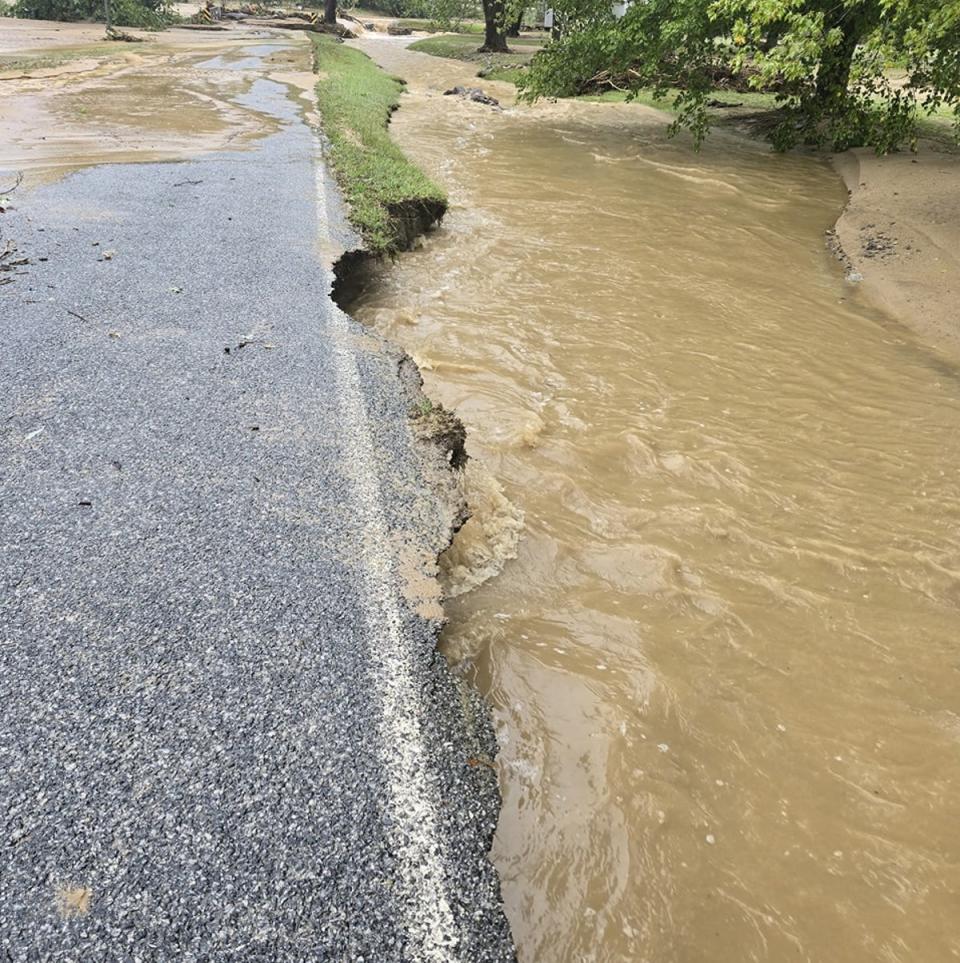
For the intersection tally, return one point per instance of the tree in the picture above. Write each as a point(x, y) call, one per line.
point(151, 14)
point(448, 15)
point(825, 60)
point(330, 11)
point(515, 22)
point(495, 27)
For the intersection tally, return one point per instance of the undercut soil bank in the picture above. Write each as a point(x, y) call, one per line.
point(900, 232)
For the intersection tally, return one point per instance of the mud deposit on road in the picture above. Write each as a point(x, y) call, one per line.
point(71, 100)
point(724, 494)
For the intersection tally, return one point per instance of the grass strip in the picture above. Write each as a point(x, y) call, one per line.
point(391, 200)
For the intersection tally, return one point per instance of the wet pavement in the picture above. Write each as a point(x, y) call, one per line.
point(225, 731)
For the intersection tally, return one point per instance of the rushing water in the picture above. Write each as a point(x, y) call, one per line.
point(724, 659)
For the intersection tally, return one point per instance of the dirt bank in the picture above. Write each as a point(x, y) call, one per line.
point(901, 232)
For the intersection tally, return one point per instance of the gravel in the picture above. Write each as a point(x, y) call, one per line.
point(225, 731)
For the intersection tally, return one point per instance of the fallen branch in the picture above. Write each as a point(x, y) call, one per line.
point(17, 183)
point(122, 35)
point(6, 254)
point(4, 199)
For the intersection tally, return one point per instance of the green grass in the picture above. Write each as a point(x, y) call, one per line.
point(940, 130)
point(458, 46)
point(748, 106)
point(355, 99)
point(415, 23)
point(736, 101)
point(454, 46)
point(506, 75)
point(473, 27)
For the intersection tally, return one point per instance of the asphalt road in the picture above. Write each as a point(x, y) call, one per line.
point(225, 733)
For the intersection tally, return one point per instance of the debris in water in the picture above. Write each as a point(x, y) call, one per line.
point(472, 93)
point(122, 36)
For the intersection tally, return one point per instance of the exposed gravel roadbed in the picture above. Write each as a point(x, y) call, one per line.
point(225, 732)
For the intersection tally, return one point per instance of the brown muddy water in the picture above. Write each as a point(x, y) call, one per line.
point(724, 495)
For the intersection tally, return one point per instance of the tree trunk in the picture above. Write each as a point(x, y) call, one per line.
point(514, 30)
point(833, 76)
point(329, 11)
point(494, 37)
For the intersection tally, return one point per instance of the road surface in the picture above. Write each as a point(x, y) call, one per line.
point(225, 732)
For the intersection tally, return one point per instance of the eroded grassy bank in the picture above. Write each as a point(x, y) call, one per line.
point(391, 201)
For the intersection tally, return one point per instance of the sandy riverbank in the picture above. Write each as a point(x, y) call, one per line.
point(900, 231)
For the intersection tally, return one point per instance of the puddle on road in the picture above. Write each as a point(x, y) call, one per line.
point(724, 661)
point(169, 99)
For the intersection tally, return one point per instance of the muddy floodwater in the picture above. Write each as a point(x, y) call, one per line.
point(724, 495)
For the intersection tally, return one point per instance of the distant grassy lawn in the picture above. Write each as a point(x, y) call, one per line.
point(355, 99)
point(417, 23)
point(473, 27)
point(731, 99)
point(458, 46)
point(938, 127)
